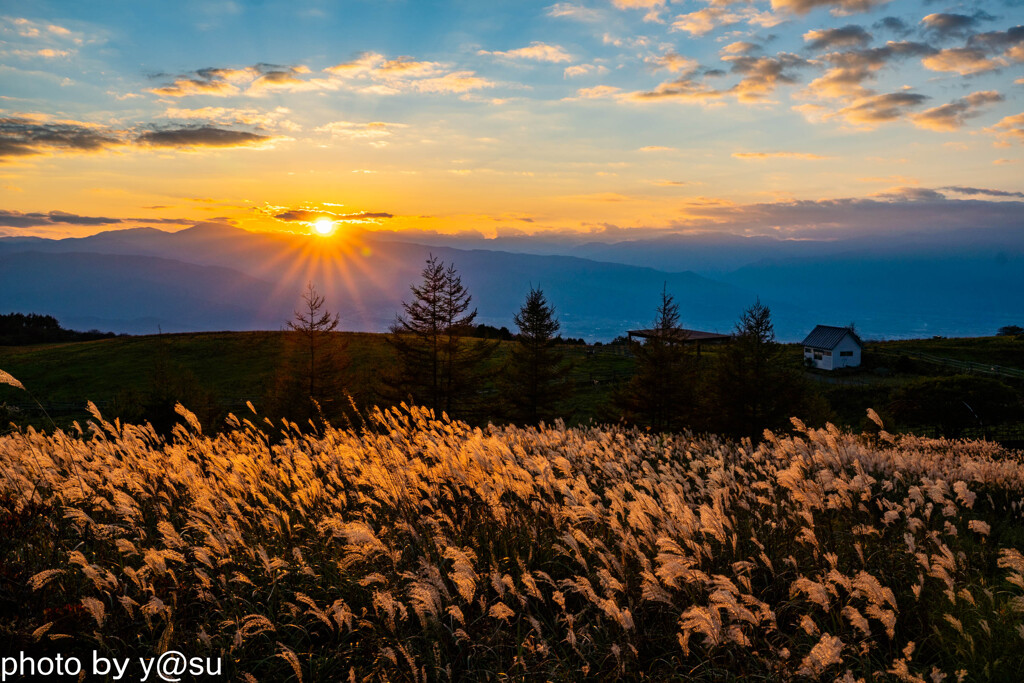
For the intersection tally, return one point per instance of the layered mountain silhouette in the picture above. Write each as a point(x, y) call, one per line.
point(214, 276)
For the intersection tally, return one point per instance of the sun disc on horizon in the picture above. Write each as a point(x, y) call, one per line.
point(323, 226)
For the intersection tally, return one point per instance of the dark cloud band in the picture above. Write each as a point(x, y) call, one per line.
point(203, 136)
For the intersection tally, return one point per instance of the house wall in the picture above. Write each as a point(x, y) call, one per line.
point(822, 363)
point(841, 361)
point(832, 359)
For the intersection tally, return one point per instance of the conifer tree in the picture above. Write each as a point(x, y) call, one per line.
point(438, 367)
point(311, 379)
point(661, 394)
point(757, 388)
point(536, 379)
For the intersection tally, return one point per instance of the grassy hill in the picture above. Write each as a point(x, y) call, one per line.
point(232, 365)
point(235, 367)
point(218, 372)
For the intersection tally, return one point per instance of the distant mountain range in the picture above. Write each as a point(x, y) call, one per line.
point(213, 277)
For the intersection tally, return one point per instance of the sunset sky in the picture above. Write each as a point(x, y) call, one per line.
point(802, 118)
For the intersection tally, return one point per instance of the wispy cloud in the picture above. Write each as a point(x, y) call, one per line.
point(310, 215)
point(571, 10)
point(899, 209)
point(849, 70)
point(210, 81)
point(779, 155)
point(838, 7)
point(954, 115)
point(17, 219)
point(597, 92)
point(874, 109)
point(851, 35)
point(1009, 128)
point(202, 136)
point(536, 51)
point(674, 62)
point(684, 88)
point(946, 25)
point(962, 60)
point(275, 118)
point(29, 135)
point(374, 132)
point(762, 75)
point(370, 72)
point(404, 74)
point(981, 191)
point(638, 4)
point(706, 20)
point(584, 69)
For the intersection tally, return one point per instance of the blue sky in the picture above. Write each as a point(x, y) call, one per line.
point(546, 117)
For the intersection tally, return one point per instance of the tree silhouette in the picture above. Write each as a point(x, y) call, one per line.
point(312, 323)
point(661, 395)
point(757, 387)
point(536, 373)
point(438, 368)
point(312, 376)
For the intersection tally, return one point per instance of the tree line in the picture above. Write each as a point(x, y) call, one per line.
point(441, 361)
point(21, 329)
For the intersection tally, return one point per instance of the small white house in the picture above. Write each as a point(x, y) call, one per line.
point(828, 348)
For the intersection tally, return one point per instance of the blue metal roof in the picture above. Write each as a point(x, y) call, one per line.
point(828, 337)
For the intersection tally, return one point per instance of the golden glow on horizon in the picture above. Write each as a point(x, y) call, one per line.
point(323, 226)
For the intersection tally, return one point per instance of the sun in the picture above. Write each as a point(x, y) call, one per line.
point(323, 226)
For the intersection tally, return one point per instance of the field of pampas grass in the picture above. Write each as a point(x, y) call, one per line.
point(421, 549)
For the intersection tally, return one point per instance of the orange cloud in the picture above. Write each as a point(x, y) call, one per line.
point(849, 70)
point(945, 24)
point(536, 51)
point(779, 155)
point(230, 116)
point(310, 215)
point(455, 82)
point(1010, 128)
point(846, 36)
point(597, 92)
point(683, 88)
point(839, 7)
point(954, 115)
point(638, 4)
point(704, 21)
point(741, 47)
point(675, 63)
point(212, 81)
point(962, 60)
point(874, 109)
point(762, 75)
point(373, 132)
point(404, 74)
point(583, 69)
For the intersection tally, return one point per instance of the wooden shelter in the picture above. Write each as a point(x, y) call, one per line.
point(683, 336)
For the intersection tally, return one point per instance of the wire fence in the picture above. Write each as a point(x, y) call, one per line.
point(968, 366)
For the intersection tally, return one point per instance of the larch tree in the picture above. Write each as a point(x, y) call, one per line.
point(536, 376)
point(437, 366)
point(661, 395)
point(757, 388)
point(313, 375)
